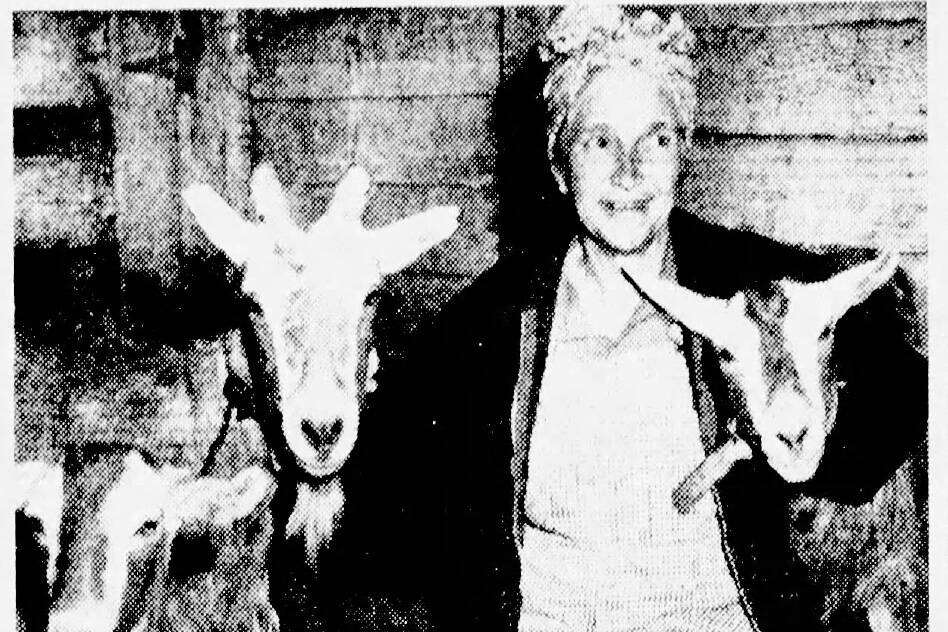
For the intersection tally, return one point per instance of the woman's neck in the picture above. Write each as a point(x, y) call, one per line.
point(654, 260)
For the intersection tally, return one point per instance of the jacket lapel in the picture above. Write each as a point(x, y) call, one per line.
point(524, 408)
point(536, 320)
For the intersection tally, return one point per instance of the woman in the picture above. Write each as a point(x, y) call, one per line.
point(614, 428)
point(552, 387)
point(514, 467)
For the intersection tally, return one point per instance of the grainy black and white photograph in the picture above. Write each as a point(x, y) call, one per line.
point(548, 318)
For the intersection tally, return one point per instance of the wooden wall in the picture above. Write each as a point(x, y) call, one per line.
point(811, 125)
point(811, 129)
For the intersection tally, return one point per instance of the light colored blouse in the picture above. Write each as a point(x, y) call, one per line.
point(604, 548)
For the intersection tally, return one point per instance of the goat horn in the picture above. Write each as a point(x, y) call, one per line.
point(269, 199)
point(708, 316)
point(351, 194)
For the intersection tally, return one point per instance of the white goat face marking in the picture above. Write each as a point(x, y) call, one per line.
point(782, 381)
point(317, 360)
point(131, 521)
point(311, 285)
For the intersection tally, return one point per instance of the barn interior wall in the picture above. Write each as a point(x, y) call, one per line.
point(812, 129)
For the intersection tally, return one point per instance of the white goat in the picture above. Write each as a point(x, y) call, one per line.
point(311, 286)
point(774, 343)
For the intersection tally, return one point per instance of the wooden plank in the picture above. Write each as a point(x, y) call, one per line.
point(382, 79)
point(839, 80)
point(147, 39)
point(435, 141)
point(58, 199)
point(471, 250)
point(145, 178)
point(797, 14)
point(376, 53)
point(221, 131)
point(814, 191)
point(789, 76)
point(527, 24)
point(55, 52)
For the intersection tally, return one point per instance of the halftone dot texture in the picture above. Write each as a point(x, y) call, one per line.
point(810, 128)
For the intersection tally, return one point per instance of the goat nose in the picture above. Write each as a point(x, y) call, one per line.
point(792, 417)
point(322, 433)
point(793, 438)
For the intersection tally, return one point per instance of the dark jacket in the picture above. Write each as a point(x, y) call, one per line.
point(429, 490)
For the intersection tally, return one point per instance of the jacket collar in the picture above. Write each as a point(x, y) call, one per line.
point(690, 239)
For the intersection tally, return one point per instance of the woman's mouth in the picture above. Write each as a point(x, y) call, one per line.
point(622, 206)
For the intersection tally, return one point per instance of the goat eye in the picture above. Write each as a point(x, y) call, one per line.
point(148, 528)
point(600, 141)
point(827, 332)
point(725, 355)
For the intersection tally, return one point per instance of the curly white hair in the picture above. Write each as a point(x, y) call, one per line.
point(585, 39)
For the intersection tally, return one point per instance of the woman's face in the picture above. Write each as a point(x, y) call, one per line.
point(622, 149)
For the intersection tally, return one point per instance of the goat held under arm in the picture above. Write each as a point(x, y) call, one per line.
point(777, 346)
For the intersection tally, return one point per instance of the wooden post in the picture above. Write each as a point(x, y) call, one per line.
point(236, 108)
point(145, 178)
point(221, 135)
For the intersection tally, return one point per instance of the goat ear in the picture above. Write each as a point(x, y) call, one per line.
point(248, 492)
point(853, 286)
point(224, 501)
point(717, 319)
point(38, 489)
point(270, 200)
point(222, 224)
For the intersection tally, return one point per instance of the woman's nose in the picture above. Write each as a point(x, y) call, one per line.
point(628, 171)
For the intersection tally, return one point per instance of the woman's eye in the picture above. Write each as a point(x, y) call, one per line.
point(664, 140)
point(601, 142)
